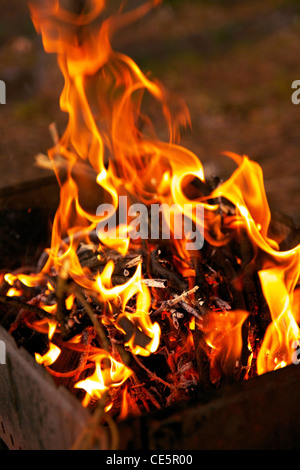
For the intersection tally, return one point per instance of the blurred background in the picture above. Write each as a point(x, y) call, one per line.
point(232, 62)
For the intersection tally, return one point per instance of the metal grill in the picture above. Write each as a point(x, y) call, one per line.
point(262, 413)
point(34, 413)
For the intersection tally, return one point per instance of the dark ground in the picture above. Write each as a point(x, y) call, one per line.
point(233, 63)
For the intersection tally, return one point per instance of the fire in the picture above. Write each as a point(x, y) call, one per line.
point(280, 273)
point(124, 406)
point(103, 97)
point(277, 349)
point(49, 357)
point(108, 373)
point(225, 340)
point(14, 292)
point(123, 293)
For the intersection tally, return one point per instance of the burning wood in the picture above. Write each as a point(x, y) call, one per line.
point(129, 323)
point(195, 325)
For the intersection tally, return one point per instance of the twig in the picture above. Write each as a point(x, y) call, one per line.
point(94, 434)
point(93, 318)
point(60, 293)
point(160, 271)
point(167, 304)
point(114, 431)
point(202, 360)
point(152, 375)
point(159, 283)
point(190, 310)
point(15, 301)
point(70, 373)
point(61, 163)
point(151, 397)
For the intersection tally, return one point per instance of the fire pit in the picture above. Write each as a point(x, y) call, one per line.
point(165, 299)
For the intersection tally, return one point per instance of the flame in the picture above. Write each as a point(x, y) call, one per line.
point(70, 301)
point(223, 336)
point(49, 357)
point(114, 143)
point(123, 293)
point(277, 348)
point(14, 292)
point(124, 406)
point(279, 278)
point(29, 280)
point(133, 154)
point(46, 325)
point(108, 373)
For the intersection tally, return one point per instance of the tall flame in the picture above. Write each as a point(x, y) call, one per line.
point(281, 269)
point(223, 335)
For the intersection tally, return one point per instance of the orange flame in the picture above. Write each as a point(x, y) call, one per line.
point(277, 348)
point(245, 189)
point(14, 292)
point(225, 340)
point(124, 407)
point(49, 357)
point(124, 293)
point(103, 95)
point(104, 377)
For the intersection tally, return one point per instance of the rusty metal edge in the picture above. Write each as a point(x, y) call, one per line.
point(262, 413)
point(35, 414)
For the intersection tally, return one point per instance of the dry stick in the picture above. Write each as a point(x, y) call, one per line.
point(167, 304)
point(89, 257)
point(58, 161)
point(54, 134)
point(15, 301)
point(93, 318)
point(160, 271)
point(190, 310)
point(71, 373)
point(152, 375)
point(61, 290)
point(114, 431)
point(113, 428)
point(88, 437)
point(158, 283)
point(151, 398)
point(202, 360)
point(134, 261)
